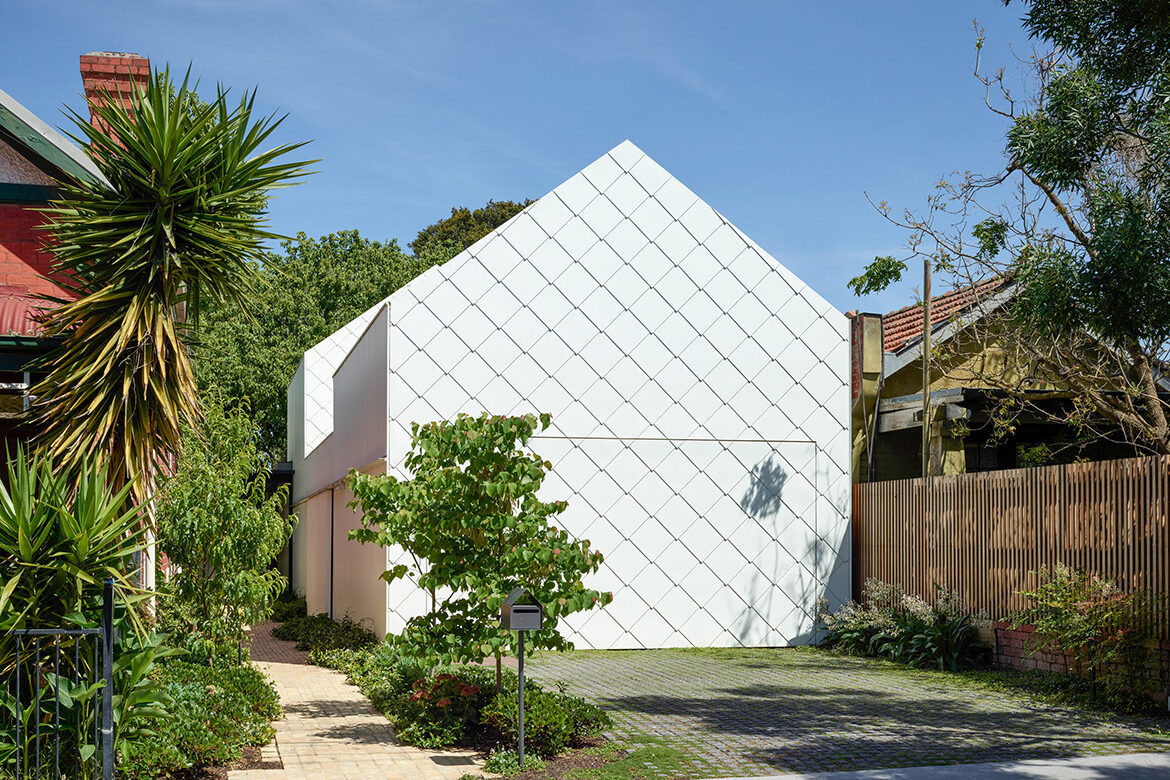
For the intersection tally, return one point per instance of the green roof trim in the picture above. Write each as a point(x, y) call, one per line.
point(26, 193)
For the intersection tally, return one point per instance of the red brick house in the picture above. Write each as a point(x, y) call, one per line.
point(34, 159)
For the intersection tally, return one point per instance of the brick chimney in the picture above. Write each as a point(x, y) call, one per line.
point(112, 74)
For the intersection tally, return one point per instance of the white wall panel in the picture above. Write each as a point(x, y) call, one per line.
point(310, 547)
point(629, 309)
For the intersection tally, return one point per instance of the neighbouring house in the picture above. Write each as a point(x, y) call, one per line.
point(968, 354)
point(699, 399)
point(34, 159)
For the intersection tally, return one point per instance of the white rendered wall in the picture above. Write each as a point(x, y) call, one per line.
point(358, 590)
point(310, 552)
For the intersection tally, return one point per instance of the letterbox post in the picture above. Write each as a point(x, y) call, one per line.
point(520, 618)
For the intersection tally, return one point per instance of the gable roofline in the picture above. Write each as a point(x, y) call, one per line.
point(955, 322)
point(46, 148)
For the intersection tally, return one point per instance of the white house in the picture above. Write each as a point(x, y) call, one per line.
point(699, 397)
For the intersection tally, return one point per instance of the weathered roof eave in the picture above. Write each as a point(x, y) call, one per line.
point(49, 146)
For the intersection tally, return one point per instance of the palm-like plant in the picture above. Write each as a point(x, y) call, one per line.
point(180, 220)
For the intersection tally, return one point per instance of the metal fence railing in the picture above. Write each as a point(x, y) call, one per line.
point(56, 708)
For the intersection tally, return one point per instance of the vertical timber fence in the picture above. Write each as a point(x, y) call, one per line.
point(56, 707)
point(985, 534)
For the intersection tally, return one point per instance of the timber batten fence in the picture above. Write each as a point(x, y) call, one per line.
point(984, 534)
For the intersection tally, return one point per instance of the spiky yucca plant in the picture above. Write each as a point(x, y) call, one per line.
point(180, 220)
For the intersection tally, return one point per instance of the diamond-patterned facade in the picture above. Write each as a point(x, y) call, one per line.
point(698, 392)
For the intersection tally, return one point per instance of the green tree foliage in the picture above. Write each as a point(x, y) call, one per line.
point(62, 535)
point(1126, 42)
point(1083, 235)
point(220, 528)
point(178, 221)
point(471, 520)
point(311, 288)
point(464, 227)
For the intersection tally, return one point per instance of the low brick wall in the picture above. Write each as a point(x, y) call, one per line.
point(1010, 652)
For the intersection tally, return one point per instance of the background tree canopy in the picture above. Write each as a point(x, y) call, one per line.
point(464, 227)
point(308, 290)
point(311, 288)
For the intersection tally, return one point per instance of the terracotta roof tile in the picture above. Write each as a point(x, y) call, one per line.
point(905, 325)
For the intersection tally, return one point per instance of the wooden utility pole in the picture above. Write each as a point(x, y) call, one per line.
point(925, 367)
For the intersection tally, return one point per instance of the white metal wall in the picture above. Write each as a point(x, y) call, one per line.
point(629, 309)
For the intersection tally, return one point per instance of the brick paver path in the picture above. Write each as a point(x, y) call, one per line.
point(330, 730)
point(763, 712)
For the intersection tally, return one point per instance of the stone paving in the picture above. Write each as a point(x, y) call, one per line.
point(330, 730)
point(764, 712)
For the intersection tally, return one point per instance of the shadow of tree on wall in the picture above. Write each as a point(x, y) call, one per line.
point(800, 567)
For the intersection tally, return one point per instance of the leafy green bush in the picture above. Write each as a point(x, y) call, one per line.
point(320, 632)
point(1103, 633)
point(553, 722)
point(459, 706)
point(62, 533)
point(216, 711)
point(288, 608)
point(905, 628)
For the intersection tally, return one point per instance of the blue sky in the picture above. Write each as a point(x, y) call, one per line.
point(781, 115)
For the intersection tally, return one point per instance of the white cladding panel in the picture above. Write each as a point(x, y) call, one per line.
point(628, 308)
point(359, 389)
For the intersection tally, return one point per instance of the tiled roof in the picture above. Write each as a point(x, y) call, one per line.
point(905, 325)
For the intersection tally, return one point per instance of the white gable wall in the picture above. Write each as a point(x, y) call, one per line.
point(698, 392)
point(667, 348)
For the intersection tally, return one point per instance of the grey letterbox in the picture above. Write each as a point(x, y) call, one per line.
point(521, 617)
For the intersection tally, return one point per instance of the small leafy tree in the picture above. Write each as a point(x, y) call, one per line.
point(221, 529)
point(472, 522)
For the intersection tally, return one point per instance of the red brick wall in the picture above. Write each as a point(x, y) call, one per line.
point(23, 262)
point(1010, 650)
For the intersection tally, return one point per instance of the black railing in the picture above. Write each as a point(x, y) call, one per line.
point(57, 669)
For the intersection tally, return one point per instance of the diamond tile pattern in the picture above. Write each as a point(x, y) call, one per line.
point(699, 399)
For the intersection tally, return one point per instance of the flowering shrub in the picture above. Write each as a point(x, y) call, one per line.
point(906, 628)
point(1100, 630)
point(460, 706)
point(438, 710)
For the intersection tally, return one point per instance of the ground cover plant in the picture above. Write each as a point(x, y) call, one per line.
point(320, 632)
point(214, 712)
point(289, 606)
point(893, 624)
point(459, 706)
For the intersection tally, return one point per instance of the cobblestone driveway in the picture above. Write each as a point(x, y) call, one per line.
point(753, 712)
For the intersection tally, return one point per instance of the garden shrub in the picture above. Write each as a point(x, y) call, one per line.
point(320, 632)
point(459, 706)
point(287, 608)
point(215, 712)
point(553, 722)
point(1101, 631)
point(893, 624)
